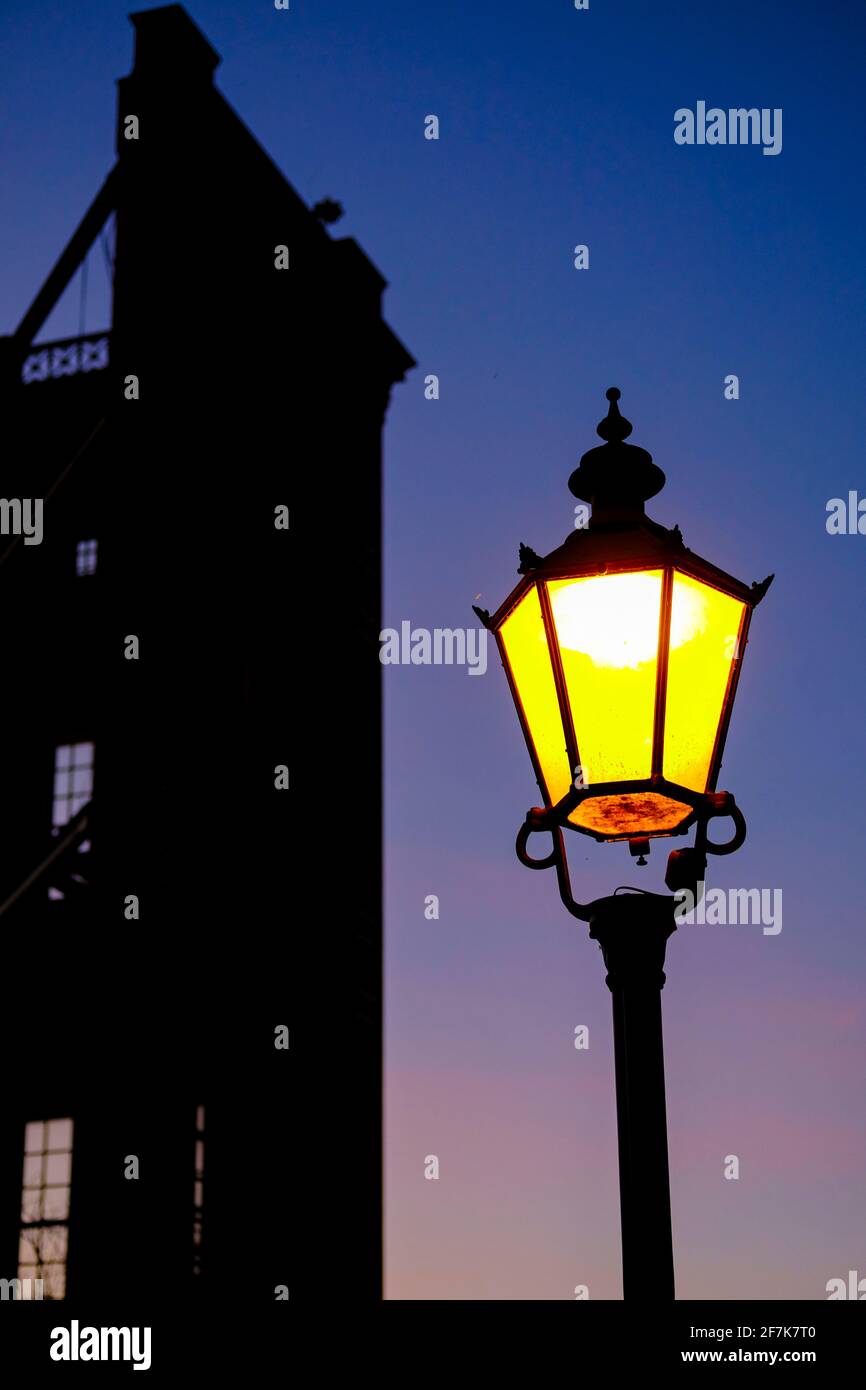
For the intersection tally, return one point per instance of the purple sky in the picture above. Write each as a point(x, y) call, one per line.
point(557, 129)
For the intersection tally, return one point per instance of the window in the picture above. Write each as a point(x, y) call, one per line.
point(85, 558)
point(198, 1190)
point(45, 1190)
point(73, 781)
point(73, 788)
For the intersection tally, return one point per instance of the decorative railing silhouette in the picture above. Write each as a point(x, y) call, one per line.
point(66, 357)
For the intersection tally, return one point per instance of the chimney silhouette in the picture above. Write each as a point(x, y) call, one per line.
point(169, 44)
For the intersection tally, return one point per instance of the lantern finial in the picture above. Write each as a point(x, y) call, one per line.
point(614, 426)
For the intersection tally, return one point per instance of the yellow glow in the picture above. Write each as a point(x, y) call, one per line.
point(607, 627)
point(611, 618)
point(529, 658)
point(707, 626)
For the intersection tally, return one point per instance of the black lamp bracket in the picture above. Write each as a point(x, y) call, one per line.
point(685, 870)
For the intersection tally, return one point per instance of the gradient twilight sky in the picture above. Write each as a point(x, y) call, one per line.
point(557, 129)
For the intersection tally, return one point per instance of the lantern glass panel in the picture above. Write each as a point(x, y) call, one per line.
point(526, 648)
point(705, 629)
point(607, 629)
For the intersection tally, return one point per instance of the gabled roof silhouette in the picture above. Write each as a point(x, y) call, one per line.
point(175, 63)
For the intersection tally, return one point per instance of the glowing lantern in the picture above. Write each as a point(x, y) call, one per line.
point(623, 649)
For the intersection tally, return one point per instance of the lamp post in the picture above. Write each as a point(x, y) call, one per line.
point(623, 649)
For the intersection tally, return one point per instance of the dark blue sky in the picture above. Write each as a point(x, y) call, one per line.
point(556, 129)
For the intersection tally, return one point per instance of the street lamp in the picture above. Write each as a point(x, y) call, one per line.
point(623, 649)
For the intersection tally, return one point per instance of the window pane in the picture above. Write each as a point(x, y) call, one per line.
point(59, 1135)
point(56, 1203)
point(54, 1277)
point(58, 1168)
point(31, 1204)
point(53, 1244)
point(33, 1137)
point(32, 1170)
point(26, 1252)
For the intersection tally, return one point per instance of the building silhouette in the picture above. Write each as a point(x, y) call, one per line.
point(222, 389)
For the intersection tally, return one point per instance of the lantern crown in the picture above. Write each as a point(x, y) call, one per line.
point(616, 478)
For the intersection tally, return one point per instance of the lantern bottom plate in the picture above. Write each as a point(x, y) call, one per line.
point(633, 813)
